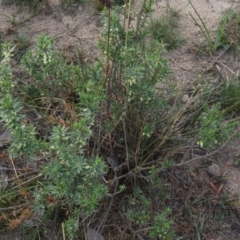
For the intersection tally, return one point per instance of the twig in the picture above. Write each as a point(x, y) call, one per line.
point(40, 175)
point(14, 168)
point(143, 229)
point(125, 138)
point(220, 55)
point(128, 21)
point(227, 68)
point(139, 18)
point(13, 207)
point(99, 229)
point(63, 231)
point(11, 179)
point(114, 225)
point(11, 169)
point(140, 237)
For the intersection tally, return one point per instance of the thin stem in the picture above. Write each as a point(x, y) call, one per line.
point(128, 21)
point(63, 231)
point(14, 168)
point(139, 18)
point(203, 28)
point(108, 56)
point(125, 139)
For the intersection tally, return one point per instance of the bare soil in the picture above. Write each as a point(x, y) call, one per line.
point(80, 26)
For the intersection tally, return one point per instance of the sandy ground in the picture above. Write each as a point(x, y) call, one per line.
point(187, 65)
point(81, 28)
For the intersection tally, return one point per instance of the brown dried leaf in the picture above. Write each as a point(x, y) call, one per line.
point(14, 223)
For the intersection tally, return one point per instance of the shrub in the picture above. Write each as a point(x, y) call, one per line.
point(165, 28)
point(72, 179)
point(109, 107)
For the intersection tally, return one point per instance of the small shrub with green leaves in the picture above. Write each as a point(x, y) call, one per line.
point(140, 213)
point(214, 130)
point(165, 29)
point(162, 226)
point(24, 141)
point(22, 42)
point(216, 120)
point(72, 179)
point(228, 31)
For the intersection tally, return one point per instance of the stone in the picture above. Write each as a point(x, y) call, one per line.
point(214, 169)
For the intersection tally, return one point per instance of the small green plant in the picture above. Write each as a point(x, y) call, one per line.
point(12, 19)
point(162, 226)
point(22, 42)
point(227, 33)
point(214, 130)
point(199, 223)
point(74, 181)
point(206, 32)
point(138, 208)
point(159, 226)
point(24, 135)
point(172, 11)
point(165, 28)
point(236, 162)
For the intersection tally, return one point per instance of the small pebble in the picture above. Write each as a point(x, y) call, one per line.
point(185, 98)
point(214, 169)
